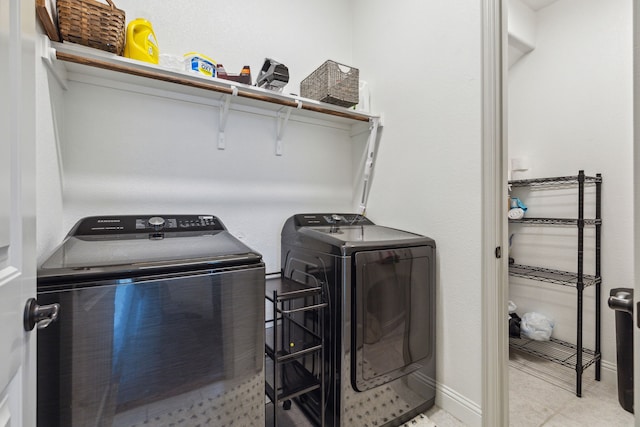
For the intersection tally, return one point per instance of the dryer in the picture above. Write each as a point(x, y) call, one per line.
point(379, 284)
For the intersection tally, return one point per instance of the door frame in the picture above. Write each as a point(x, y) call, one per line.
point(495, 345)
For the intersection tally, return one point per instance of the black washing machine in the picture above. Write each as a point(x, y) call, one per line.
point(379, 283)
point(161, 322)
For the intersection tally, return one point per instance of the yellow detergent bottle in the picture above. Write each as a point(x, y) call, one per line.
point(141, 42)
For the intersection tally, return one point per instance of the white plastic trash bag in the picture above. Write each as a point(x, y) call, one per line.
point(536, 326)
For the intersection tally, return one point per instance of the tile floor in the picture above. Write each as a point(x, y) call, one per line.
point(541, 394)
point(434, 417)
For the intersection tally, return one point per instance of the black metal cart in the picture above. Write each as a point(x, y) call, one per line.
point(294, 342)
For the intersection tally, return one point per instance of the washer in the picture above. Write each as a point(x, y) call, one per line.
point(161, 322)
point(380, 340)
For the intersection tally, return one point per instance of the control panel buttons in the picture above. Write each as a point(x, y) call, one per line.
point(328, 219)
point(334, 219)
point(156, 222)
point(206, 221)
point(129, 224)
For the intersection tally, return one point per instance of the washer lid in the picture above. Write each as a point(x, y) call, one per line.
point(123, 249)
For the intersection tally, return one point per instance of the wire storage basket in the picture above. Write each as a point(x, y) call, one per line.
point(332, 83)
point(92, 23)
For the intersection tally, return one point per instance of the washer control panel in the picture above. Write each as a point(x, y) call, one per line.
point(146, 224)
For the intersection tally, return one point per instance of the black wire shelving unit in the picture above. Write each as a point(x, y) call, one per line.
point(555, 350)
point(294, 338)
point(559, 181)
point(564, 353)
point(548, 275)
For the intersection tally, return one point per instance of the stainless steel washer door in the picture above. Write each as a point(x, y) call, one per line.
point(154, 351)
point(393, 315)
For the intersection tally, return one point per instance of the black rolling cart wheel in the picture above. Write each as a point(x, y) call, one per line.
point(286, 405)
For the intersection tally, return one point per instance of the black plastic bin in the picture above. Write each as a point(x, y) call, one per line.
point(621, 300)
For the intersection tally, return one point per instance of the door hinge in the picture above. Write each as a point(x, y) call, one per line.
point(498, 252)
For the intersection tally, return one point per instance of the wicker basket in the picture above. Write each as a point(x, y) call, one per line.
point(91, 23)
point(332, 83)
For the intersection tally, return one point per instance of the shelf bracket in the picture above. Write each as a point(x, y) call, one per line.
point(374, 123)
point(282, 125)
point(57, 71)
point(224, 115)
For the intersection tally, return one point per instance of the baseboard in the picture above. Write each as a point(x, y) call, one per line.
point(465, 410)
point(608, 372)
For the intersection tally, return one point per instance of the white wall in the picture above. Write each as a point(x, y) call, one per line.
point(422, 62)
point(49, 223)
point(570, 108)
point(171, 164)
point(521, 30)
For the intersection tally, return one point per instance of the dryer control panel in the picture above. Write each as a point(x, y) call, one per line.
point(328, 219)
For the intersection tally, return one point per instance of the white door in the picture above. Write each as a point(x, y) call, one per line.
point(17, 211)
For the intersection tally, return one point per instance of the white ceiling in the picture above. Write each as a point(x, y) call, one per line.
point(538, 4)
